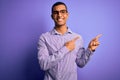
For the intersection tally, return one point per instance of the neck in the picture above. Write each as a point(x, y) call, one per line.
point(61, 29)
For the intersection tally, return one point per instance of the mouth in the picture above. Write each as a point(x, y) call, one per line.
point(60, 19)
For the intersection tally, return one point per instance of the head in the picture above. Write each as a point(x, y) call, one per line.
point(59, 13)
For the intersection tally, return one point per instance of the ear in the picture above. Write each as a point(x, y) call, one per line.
point(51, 16)
point(67, 15)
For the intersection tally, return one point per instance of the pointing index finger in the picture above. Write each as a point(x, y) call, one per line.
point(98, 36)
point(75, 38)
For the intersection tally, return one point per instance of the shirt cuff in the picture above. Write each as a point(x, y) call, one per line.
point(89, 51)
point(64, 50)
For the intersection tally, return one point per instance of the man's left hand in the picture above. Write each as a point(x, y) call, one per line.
point(94, 43)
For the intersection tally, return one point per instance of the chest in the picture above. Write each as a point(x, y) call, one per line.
point(56, 42)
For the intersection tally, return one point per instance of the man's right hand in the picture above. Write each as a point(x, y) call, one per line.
point(71, 44)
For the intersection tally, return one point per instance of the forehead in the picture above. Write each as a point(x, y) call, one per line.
point(59, 7)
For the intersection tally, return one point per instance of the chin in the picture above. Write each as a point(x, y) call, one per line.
point(60, 24)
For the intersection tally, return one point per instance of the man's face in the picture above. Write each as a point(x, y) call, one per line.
point(60, 15)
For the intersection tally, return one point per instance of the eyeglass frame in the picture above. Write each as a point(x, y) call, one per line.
point(61, 11)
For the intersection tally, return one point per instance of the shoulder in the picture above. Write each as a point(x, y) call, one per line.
point(48, 33)
point(45, 35)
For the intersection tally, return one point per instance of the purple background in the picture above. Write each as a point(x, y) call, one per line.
point(23, 21)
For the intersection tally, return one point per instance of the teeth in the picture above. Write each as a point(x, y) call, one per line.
point(59, 19)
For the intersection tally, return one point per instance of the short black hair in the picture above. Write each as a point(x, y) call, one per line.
point(58, 3)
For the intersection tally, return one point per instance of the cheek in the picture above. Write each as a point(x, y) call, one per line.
point(66, 17)
point(54, 17)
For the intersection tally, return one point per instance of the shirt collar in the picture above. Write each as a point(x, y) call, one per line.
point(54, 32)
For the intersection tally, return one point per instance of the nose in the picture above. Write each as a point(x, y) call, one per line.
point(59, 14)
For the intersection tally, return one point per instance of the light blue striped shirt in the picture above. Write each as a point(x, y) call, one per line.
point(56, 60)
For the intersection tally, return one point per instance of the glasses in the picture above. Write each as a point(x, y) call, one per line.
point(61, 11)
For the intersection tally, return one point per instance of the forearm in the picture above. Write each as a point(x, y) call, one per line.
point(83, 57)
point(48, 61)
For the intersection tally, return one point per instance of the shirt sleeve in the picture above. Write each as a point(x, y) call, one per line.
point(83, 56)
point(47, 60)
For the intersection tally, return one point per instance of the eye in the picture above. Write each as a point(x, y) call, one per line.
point(63, 11)
point(55, 12)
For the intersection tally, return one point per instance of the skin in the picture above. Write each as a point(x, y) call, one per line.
point(60, 20)
point(94, 43)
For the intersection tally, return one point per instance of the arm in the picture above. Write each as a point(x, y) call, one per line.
point(83, 57)
point(46, 60)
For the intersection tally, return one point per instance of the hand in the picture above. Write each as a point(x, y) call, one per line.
point(94, 43)
point(71, 44)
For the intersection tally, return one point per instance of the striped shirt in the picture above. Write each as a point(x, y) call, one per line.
point(56, 60)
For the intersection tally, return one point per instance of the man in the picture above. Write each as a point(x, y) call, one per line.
point(60, 50)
